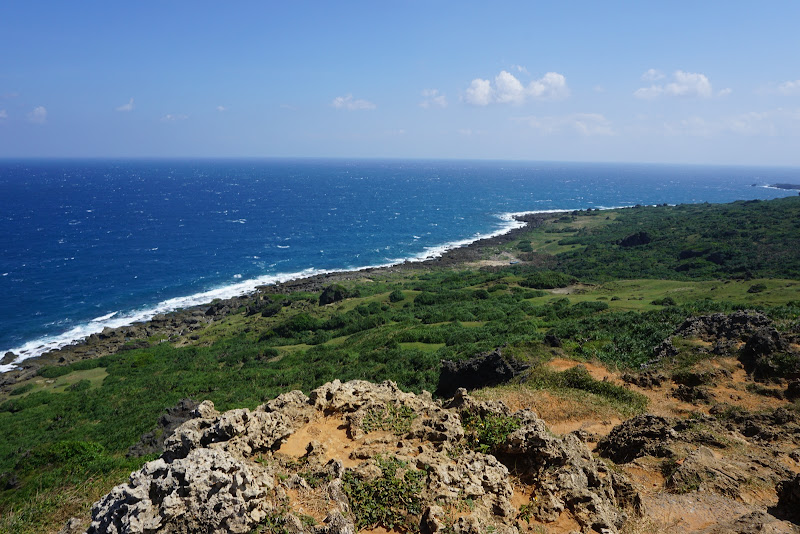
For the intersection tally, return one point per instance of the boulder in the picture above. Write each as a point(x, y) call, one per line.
point(8, 358)
point(208, 491)
point(788, 506)
point(644, 435)
point(489, 369)
point(635, 240)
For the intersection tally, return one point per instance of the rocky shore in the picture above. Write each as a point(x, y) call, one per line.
point(174, 325)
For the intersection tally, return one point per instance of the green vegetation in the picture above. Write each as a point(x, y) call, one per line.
point(67, 430)
point(485, 432)
point(395, 419)
point(391, 500)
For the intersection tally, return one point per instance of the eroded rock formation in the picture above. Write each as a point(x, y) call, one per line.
point(307, 464)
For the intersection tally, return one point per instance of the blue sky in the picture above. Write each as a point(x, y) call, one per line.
point(675, 82)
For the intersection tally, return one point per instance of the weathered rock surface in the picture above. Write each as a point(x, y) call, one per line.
point(484, 370)
point(293, 458)
point(788, 506)
point(644, 435)
point(736, 325)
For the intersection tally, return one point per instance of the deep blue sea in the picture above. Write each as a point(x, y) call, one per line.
point(89, 244)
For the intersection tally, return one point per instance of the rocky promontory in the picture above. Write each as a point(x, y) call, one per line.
point(361, 457)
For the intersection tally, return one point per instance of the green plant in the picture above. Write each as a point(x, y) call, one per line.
point(392, 500)
point(485, 432)
point(397, 296)
point(526, 512)
point(392, 418)
point(21, 390)
point(666, 301)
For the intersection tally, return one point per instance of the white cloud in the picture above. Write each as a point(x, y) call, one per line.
point(725, 92)
point(38, 115)
point(789, 88)
point(683, 84)
point(3, 114)
point(348, 103)
point(648, 93)
point(126, 107)
point(222, 108)
point(507, 89)
point(653, 75)
point(433, 99)
point(588, 124)
point(689, 84)
point(171, 117)
point(479, 92)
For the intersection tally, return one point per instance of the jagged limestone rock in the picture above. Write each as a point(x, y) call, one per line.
point(296, 454)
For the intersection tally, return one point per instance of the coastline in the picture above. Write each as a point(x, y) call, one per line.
point(183, 320)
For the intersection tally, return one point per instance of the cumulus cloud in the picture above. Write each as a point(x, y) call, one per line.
point(126, 107)
point(725, 92)
point(38, 115)
point(3, 114)
point(653, 75)
point(172, 117)
point(789, 88)
point(433, 99)
point(588, 124)
point(683, 84)
point(222, 108)
point(507, 89)
point(351, 104)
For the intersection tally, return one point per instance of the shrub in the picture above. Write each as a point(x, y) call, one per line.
point(547, 280)
point(485, 432)
point(53, 371)
point(666, 301)
point(757, 288)
point(301, 322)
point(80, 385)
point(21, 390)
point(397, 296)
point(333, 293)
point(390, 501)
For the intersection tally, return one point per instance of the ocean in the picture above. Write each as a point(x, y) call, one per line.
point(87, 244)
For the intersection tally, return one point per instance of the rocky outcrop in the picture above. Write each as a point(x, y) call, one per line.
point(489, 369)
point(717, 326)
point(153, 441)
point(635, 240)
point(788, 506)
point(644, 435)
point(765, 353)
point(208, 491)
point(307, 465)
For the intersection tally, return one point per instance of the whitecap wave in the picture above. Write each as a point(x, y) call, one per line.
point(39, 346)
